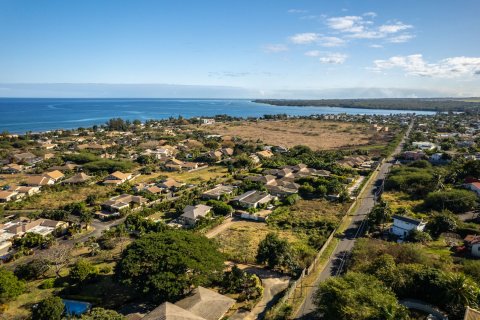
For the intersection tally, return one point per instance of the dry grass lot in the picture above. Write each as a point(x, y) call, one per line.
point(318, 135)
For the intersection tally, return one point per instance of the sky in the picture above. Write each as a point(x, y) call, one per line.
point(240, 49)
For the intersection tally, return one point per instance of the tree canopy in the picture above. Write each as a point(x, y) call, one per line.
point(10, 286)
point(167, 265)
point(357, 296)
point(51, 308)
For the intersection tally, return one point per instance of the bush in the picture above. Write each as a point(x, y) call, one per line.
point(48, 284)
point(220, 208)
point(49, 309)
point(454, 200)
point(82, 270)
point(105, 270)
point(10, 286)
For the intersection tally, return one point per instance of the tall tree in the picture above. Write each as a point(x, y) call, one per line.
point(166, 265)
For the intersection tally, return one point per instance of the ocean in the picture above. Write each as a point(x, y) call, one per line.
point(19, 115)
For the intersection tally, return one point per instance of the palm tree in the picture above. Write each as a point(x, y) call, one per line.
point(461, 290)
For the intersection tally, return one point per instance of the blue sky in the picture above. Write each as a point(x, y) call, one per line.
point(274, 48)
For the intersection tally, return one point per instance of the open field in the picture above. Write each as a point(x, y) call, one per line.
point(195, 177)
point(399, 200)
point(240, 241)
point(318, 135)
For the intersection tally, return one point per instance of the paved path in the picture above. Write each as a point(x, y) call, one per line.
point(337, 261)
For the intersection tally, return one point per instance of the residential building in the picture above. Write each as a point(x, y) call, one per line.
point(472, 243)
point(170, 184)
point(402, 226)
point(191, 214)
point(117, 178)
point(252, 199)
point(55, 175)
point(39, 181)
point(218, 192)
point(79, 178)
point(7, 196)
point(122, 202)
point(201, 304)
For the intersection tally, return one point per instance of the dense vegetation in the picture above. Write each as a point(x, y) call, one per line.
point(397, 104)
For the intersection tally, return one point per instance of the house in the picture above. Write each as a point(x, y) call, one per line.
point(79, 178)
point(117, 178)
point(65, 167)
point(13, 168)
point(472, 243)
point(402, 226)
point(25, 157)
point(218, 192)
point(159, 154)
point(22, 225)
point(148, 188)
point(191, 214)
point(471, 314)
point(207, 121)
point(265, 154)
point(55, 175)
point(214, 155)
point(266, 179)
point(39, 181)
point(26, 191)
point(252, 199)
point(206, 303)
point(178, 165)
point(474, 186)
point(7, 196)
point(170, 184)
point(121, 202)
point(227, 152)
point(424, 145)
point(201, 304)
point(413, 155)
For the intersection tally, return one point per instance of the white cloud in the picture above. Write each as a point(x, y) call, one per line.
point(297, 11)
point(313, 53)
point(331, 41)
point(446, 68)
point(376, 46)
point(274, 48)
point(362, 27)
point(401, 38)
point(304, 38)
point(370, 14)
point(333, 58)
point(311, 37)
point(394, 28)
point(346, 24)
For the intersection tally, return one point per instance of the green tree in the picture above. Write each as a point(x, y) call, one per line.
point(10, 286)
point(441, 222)
point(357, 296)
point(81, 271)
point(276, 253)
point(166, 265)
point(51, 308)
point(86, 217)
point(460, 291)
point(32, 270)
point(454, 200)
point(102, 314)
point(220, 208)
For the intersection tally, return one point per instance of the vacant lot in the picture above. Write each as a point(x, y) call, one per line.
point(318, 135)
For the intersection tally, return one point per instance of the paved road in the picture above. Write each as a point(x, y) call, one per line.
point(337, 261)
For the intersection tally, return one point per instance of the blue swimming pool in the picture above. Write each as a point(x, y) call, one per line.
point(76, 308)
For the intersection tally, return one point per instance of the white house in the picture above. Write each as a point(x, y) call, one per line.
point(472, 242)
point(424, 145)
point(402, 226)
point(474, 186)
point(252, 199)
point(191, 214)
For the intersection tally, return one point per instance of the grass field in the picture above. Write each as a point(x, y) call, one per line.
point(196, 177)
point(318, 135)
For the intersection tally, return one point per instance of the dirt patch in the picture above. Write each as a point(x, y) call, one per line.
point(318, 135)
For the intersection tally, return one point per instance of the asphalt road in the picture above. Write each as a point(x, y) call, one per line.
point(337, 261)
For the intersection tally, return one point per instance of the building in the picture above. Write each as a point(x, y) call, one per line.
point(252, 199)
point(7, 196)
point(218, 192)
point(424, 145)
point(79, 178)
point(13, 168)
point(39, 181)
point(472, 243)
point(201, 304)
point(471, 314)
point(402, 226)
point(170, 184)
point(122, 202)
point(191, 214)
point(207, 121)
point(25, 157)
point(474, 186)
point(56, 175)
point(117, 178)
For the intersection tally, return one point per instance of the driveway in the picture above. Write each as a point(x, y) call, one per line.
point(273, 285)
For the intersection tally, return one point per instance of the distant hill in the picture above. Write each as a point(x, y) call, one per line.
point(420, 104)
